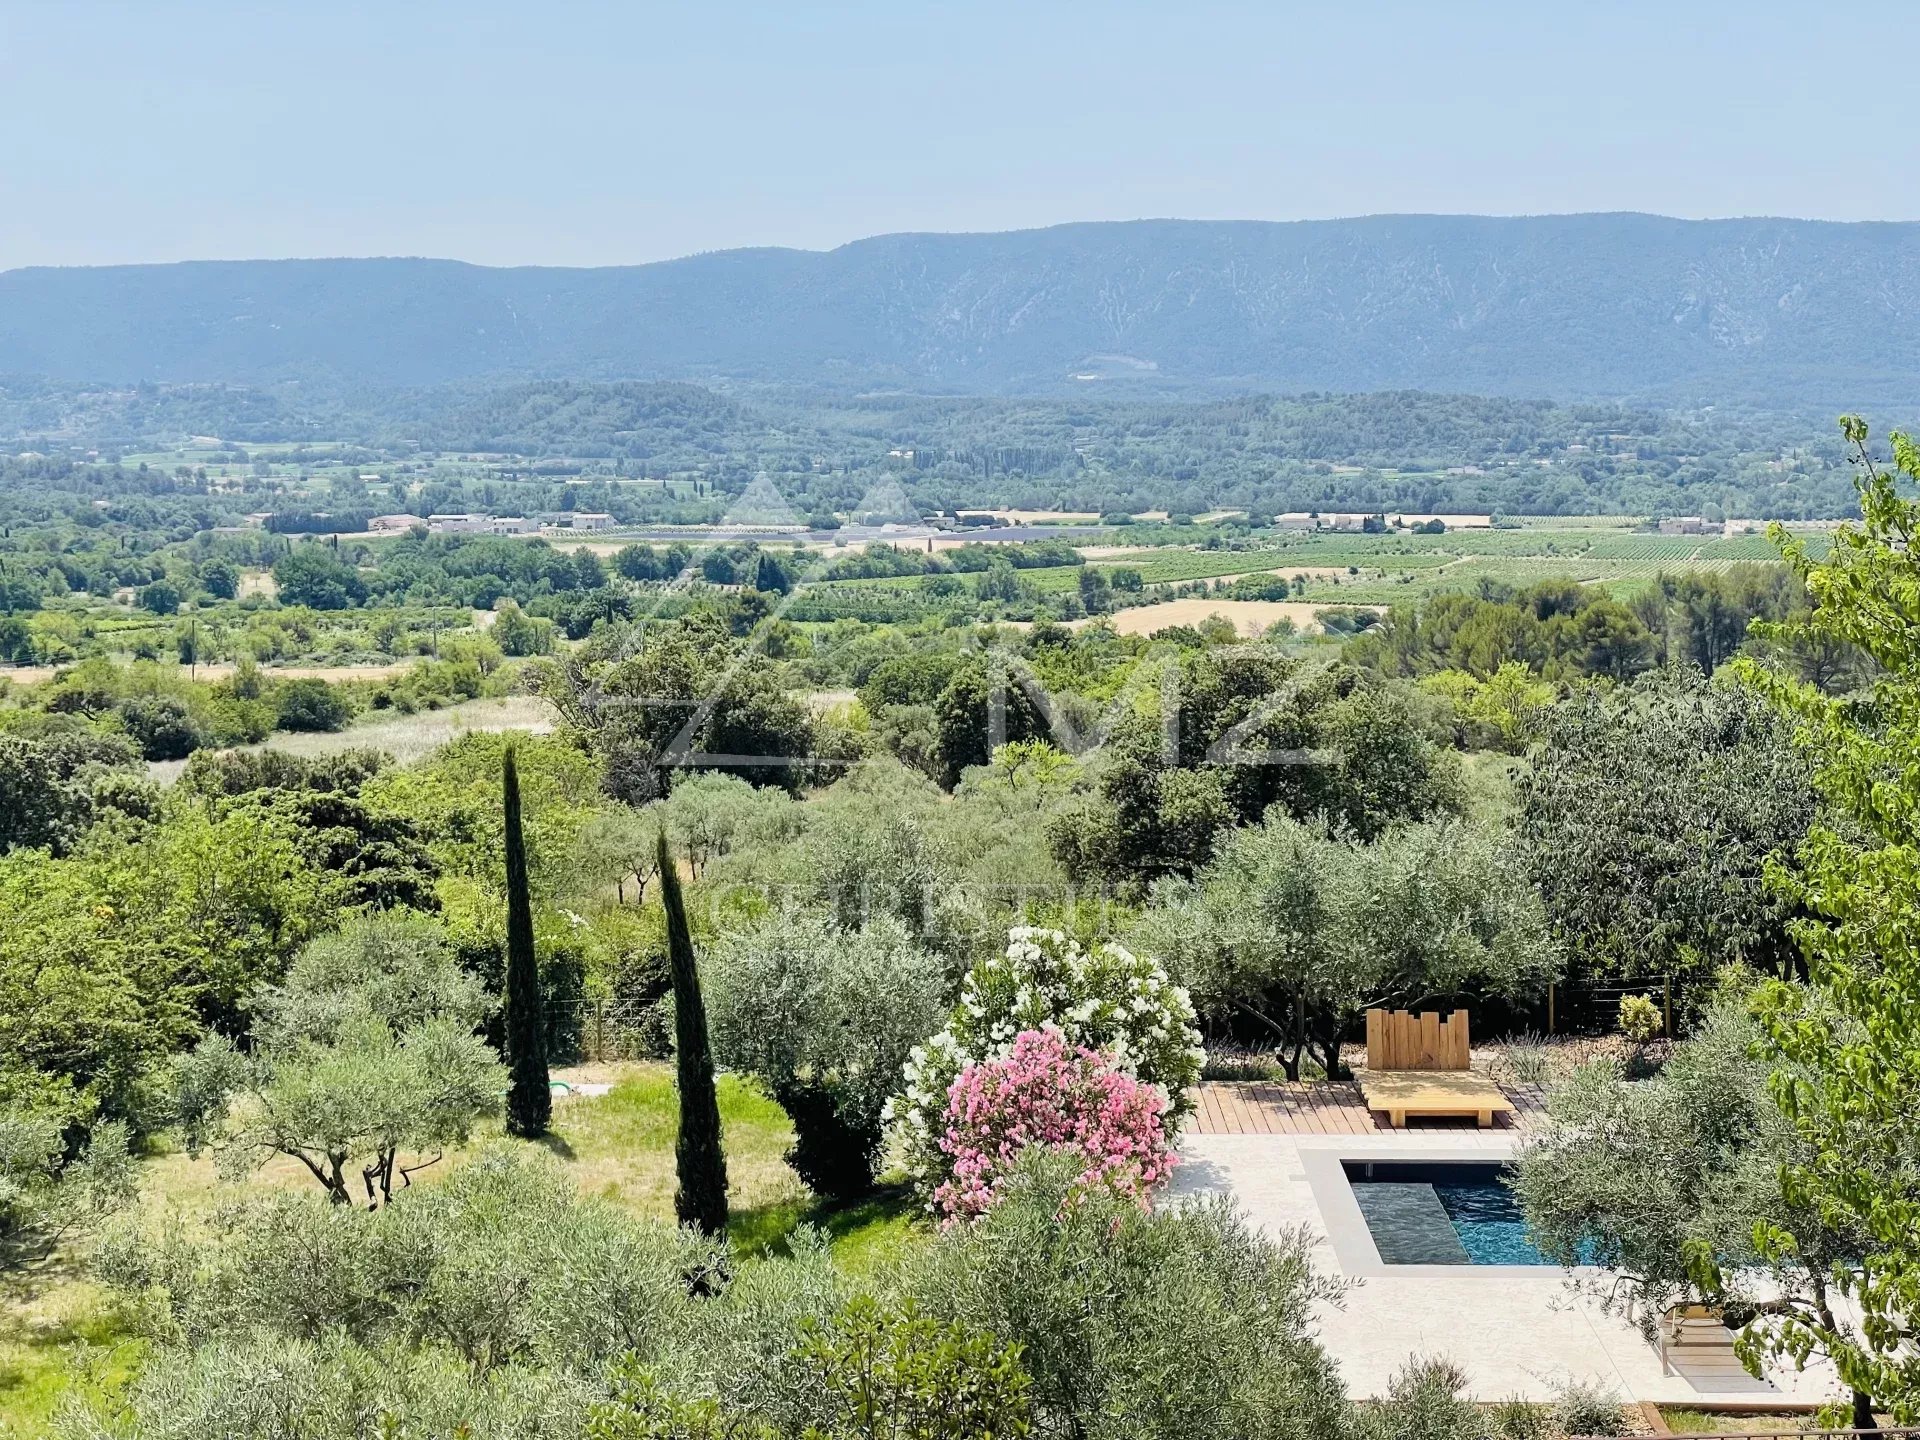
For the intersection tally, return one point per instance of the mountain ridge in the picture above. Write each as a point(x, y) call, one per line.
point(1603, 305)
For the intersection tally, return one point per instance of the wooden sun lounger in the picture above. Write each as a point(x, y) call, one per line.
point(1432, 1094)
point(1694, 1341)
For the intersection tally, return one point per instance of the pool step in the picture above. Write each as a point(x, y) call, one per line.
point(1409, 1224)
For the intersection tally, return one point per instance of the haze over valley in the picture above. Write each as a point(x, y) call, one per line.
point(1780, 312)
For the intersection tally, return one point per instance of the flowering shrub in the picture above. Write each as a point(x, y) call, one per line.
point(1109, 1000)
point(1063, 1098)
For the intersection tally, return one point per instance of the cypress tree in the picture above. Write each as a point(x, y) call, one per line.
point(701, 1199)
point(529, 1096)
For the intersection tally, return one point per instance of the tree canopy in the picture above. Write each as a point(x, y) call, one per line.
point(1648, 820)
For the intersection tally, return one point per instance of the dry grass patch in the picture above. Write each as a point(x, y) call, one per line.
point(406, 738)
point(1707, 1422)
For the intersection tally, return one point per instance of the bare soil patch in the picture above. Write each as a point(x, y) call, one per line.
point(1249, 617)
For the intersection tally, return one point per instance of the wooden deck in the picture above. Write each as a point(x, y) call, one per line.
point(1256, 1107)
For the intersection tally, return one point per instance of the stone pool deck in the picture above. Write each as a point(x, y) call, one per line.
point(1517, 1331)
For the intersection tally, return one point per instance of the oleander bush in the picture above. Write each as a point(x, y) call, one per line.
point(1106, 999)
point(1066, 1099)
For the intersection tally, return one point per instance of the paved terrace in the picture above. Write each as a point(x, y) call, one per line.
point(1517, 1331)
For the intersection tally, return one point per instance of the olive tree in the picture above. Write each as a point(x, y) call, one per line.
point(878, 1372)
point(825, 1018)
point(1297, 929)
point(45, 1195)
point(267, 1387)
point(493, 1302)
point(505, 1261)
point(1667, 1184)
point(364, 1055)
point(706, 817)
point(875, 844)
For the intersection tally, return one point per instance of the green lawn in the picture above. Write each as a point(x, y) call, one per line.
point(621, 1146)
point(57, 1338)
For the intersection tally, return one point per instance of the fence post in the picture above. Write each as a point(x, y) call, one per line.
point(1667, 1006)
point(1550, 994)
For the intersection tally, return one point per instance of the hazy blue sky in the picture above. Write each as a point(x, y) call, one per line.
point(529, 131)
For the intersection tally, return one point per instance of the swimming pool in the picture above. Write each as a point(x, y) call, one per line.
point(1441, 1213)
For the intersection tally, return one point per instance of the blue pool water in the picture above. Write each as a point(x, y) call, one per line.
point(1442, 1214)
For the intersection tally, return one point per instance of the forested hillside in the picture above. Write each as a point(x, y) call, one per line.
point(1568, 306)
point(1400, 450)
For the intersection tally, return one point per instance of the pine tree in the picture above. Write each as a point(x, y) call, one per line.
point(701, 1199)
point(529, 1096)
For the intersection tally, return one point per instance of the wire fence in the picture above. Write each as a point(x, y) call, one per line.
point(1592, 1007)
point(597, 1031)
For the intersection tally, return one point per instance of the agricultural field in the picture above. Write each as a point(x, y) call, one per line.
point(1383, 569)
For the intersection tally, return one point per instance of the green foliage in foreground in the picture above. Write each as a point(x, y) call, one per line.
point(1646, 1179)
point(45, 1195)
point(1849, 1075)
point(117, 956)
point(506, 1301)
point(1182, 1324)
point(1649, 818)
point(884, 1374)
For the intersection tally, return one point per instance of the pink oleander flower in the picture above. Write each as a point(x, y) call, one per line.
point(1066, 1098)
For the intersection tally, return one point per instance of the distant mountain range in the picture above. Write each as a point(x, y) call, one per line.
point(1618, 305)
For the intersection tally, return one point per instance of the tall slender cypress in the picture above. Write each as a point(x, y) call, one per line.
point(701, 1199)
point(529, 1095)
